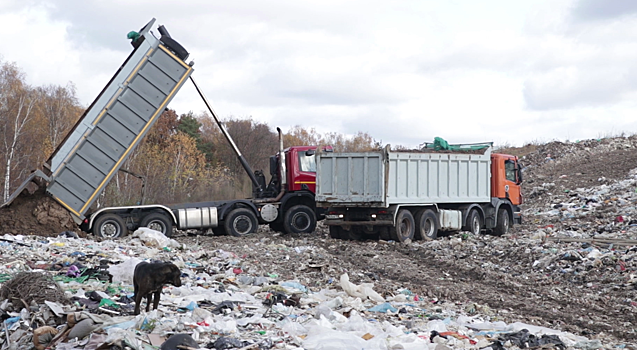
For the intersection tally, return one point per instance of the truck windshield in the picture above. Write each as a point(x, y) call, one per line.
point(509, 169)
point(307, 163)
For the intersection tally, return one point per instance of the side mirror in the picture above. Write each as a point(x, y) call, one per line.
point(310, 152)
point(519, 171)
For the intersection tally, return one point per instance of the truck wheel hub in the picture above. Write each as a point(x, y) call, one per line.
point(301, 221)
point(109, 230)
point(242, 224)
point(157, 226)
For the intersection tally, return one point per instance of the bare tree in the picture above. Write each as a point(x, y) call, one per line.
point(16, 107)
point(60, 107)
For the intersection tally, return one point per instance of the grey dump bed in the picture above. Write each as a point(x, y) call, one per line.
point(115, 123)
point(384, 178)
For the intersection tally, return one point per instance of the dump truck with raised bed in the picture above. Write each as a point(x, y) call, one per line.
point(410, 195)
point(114, 124)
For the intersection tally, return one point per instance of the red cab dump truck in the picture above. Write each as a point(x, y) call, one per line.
point(413, 195)
point(120, 117)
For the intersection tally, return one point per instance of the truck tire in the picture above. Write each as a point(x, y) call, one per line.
point(299, 219)
point(474, 222)
point(219, 231)
point(158, 222)
point(405, 227)
point(353, 234)
point(110, 226)
point(276, 226)
point(503, 222)
point(335, 231)
point(428, 224)
point(241, 222)
point(383, 233)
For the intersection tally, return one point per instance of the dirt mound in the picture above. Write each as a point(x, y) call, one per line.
point(35, 213)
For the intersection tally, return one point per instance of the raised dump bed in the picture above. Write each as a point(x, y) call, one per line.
point(117, 120)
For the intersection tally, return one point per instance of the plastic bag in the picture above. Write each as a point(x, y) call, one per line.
point(124, 272)
point(384, 307)
point(152, 238)
point(321, 338)
point(363, 291)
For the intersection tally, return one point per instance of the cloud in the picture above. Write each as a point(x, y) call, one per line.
point(403, 71)
point(593, 10)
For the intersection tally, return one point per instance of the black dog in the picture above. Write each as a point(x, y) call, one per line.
point(149, 279)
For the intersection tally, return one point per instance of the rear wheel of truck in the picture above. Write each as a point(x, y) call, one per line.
point(241, 222)
point(428, 225)
point(299, 219)
point(110, 226)
point(384, 234)
point(276, 226)
point(158, 222)
point(405, 227)
point(474, 222)
point(503, 223)
point(335, 231)
point(353, 234)
point(219, 231)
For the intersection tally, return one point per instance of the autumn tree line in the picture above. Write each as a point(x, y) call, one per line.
point(183, 158)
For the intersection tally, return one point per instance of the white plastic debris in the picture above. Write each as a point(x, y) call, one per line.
point(124, 272)
point(363, 291)
point(152, 238)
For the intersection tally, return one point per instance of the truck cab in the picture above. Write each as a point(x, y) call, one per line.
point(292, 188)
point(506, 180)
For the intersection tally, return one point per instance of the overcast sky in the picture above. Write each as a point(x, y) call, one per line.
point(404, 71)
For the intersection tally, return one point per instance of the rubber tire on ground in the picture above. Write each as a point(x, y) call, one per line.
point(219, 231)
point(159, 222)
point(335, 231)
point(241, 222)
point(405, 227)
point(354, 234)
point(428, 224)
point(383, 233)
point(111, 222)
point(474, 222)
point(299, 219)
point(503, 222)
point(276, 226)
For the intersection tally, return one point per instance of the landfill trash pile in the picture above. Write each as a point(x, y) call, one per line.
point(565, 279)
point(283, 292)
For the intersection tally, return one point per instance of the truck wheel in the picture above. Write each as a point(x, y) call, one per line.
point(276, 226)
point(405, 226)
point(428, 224)
point(299, 219)
point(474, 222)
point(241, 222)
point(335, 231)
point(503, 223)
point(219, 231)
point(158, 222)
point(383, 232)
point(354, 234)
point(110, 226)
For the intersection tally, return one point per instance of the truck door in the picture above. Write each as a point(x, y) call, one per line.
point(512, 181)
point(303, 176)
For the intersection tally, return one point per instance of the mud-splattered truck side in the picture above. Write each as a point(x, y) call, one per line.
point(412, 195)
